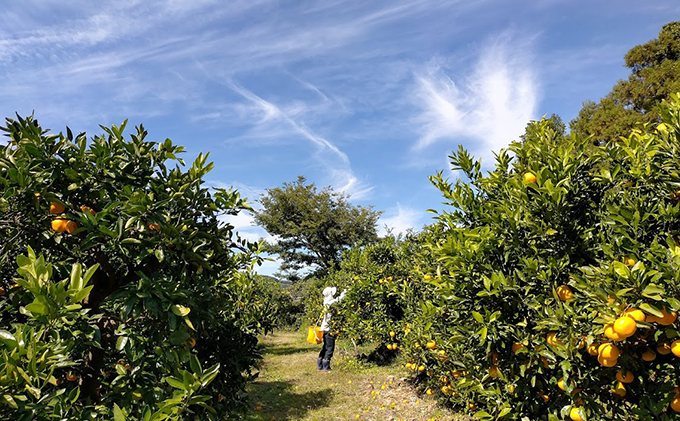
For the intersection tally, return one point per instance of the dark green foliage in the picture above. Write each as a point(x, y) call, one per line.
point(313, 227)
point(166, 291)
point(655, 75)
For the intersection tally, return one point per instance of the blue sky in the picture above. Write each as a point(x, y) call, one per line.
point(368, 97)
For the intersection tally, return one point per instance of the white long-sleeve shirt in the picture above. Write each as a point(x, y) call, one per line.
point(327, 302)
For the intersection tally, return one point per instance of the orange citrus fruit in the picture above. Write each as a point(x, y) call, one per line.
point(675, 404)
point(56, 207)
point(648, 355)
point(625, 326)
point(71, 227)
point(608, 351)
point(627, 378)
point(529, 178)
point(84, 209)
point(552, 339)
point(564, 293)
point(663, 348)
point(59, 224)
point(516, 347)
point(611, 333)
point(668, 318)
point(607, 362)
point(431, 344)
point(635, 314)
point(561, 384)
point(575, 414)
point(619, 389)
point(592, 348)
point(675, 348)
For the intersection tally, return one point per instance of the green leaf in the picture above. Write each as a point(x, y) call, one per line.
point(196, 365)
point(504, 412)
point(210, 375)
point(674, 303)
point(118, 414)
point(482, 335)
point(82, 294)
point(76, 279)
point(478, 317)
point(33, 391)
point(176, 383)
point(180, 310)
point(8, 339)
point(160, 256)
point(650, 309)
point(36, 308)
point(188, 323)
point(121, 342)
point(88, 274)
point(654, 292)
point(10, 401)
point(621, 269)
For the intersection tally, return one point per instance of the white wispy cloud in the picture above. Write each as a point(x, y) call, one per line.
point(490, 106)
point(271, 112)
point(400, 219)
point(344, 180)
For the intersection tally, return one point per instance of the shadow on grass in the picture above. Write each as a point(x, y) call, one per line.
point(287, 350)
point(277, 400)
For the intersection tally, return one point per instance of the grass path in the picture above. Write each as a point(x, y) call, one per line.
point(290, 388)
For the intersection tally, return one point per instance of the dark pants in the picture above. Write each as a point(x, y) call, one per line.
point(328, 347)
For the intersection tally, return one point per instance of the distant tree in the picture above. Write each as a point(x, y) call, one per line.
point(655, 76)
point(313, 227)
point(554, 123)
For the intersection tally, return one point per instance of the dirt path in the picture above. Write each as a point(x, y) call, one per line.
point(290, 388)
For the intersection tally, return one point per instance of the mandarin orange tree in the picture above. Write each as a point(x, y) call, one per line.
point(160, 326)
point(383, 289)
point(559, 280)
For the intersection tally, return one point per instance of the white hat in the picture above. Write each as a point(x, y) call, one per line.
point(329, 292)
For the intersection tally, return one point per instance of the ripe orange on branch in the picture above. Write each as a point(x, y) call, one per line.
point(619, 389)
point(552, 339)
point(610, 333)
point(675, 348)
point(575, 414)
point(564, 293)
point(59, 224)
point(675, 403)
point(56, 208)
point(663, 348)
point(625, 326)
point(635, 314)
point(648, 355)
point(529, 178)
point(609, 351)
point(627, 378)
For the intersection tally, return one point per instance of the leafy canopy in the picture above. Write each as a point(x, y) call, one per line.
point(313, 227)
point(655, 75)
point(169, 294)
